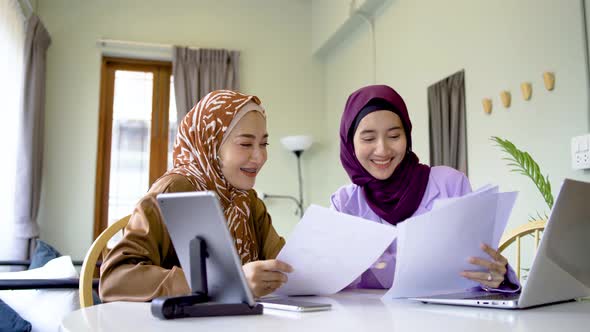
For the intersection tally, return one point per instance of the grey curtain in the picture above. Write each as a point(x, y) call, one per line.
point(200, 71)
point(448, 132)
point(30, 135)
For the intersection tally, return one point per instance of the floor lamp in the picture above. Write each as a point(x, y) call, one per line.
point(295, 144)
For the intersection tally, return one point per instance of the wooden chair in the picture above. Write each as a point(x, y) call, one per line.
point(98, 246)
point(534, 227)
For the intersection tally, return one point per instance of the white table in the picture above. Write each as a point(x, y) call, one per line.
point(351, 311)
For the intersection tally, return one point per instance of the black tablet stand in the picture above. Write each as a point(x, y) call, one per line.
point(198, 303)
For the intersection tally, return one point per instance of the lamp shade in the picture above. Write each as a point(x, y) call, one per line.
point(297, 143)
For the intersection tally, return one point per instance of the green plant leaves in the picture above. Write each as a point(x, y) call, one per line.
point(522, 162)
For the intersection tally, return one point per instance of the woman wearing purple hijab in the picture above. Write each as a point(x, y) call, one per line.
point(389, 184)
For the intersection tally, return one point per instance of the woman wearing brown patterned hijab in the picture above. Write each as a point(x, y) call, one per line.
point(220, 146)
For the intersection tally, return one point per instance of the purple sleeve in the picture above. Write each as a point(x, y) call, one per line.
point(464, 186)
point(335, 202)
point(510, 284)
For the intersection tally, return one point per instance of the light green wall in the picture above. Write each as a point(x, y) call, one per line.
point(275, 63)
point(328, 16)
point(499, 44)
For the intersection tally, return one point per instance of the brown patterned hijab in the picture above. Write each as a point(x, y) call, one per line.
point(196, 149)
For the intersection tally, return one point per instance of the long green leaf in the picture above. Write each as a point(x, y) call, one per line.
point(522, 162)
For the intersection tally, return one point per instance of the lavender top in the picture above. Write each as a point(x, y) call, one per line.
point(443, 182)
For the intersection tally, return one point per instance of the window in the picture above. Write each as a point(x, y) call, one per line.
point(136, 130)
point(12, 39)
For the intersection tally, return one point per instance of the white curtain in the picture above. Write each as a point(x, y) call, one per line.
point(12, 38)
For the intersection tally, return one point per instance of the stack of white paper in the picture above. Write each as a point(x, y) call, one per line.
point(433, 248)
point(328, 250)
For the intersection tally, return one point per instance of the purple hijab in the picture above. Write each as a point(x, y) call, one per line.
point(396, 198)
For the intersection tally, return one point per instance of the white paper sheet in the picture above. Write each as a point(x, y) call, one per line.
point(506, 202)
point(328, 250)
point(442, 202)
point(434, 248)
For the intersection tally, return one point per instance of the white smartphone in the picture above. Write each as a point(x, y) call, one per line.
point(293, 305)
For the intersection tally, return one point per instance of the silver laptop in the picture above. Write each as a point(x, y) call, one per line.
point(191, 214)
point(561, 267)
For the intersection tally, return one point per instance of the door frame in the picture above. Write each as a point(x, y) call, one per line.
point(162, 71)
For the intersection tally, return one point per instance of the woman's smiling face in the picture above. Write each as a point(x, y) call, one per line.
point(380, 143)
point(243, 154)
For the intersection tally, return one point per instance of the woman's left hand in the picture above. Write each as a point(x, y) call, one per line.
point(496, 268)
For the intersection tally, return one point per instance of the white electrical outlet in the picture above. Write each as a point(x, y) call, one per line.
point(581, 152)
